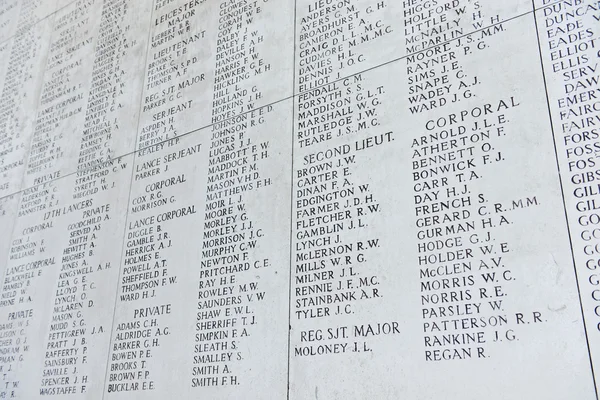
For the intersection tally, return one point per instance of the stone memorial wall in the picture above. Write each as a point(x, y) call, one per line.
point(300, 199)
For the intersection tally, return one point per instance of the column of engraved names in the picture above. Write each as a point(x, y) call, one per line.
point(432, 72)
point(69, 334)
point(19, 94)
point(149, 268)
point(82, 312)
point(462, 233)
point(7, 332)
point(30, 12)
point(14, 347)
point(8, 207)
point(7, 109)
point(436, 36)
point(155, 267)
point(7, 20)
point(28, 255)
point(109, 78)
point(233, 241)
point(170, 73)
point(337, 126)
point(63, 93)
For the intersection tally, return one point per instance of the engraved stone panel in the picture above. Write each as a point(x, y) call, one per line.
point(299, 199)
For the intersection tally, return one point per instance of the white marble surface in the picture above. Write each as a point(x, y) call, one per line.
point(349, 199)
